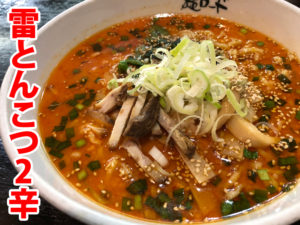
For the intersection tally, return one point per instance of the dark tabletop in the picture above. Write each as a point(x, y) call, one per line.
point(48, 9)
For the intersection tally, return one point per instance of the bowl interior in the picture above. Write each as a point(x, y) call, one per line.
point(73, 26)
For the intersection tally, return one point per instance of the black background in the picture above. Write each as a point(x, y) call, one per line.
point(48, 9)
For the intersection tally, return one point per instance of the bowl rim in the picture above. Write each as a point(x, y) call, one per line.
point(79, 211)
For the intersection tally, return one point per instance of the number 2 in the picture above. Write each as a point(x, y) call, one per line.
point(22, 177)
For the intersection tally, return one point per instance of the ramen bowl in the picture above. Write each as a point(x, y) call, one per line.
point(277, 19)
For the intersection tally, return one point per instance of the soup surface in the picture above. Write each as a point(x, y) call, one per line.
point(146, 173)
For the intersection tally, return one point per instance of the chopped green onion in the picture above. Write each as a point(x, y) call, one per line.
point(62, 164)
point(76, 71)
point(92, 93)
point(123, 66)
point(283, 79)
point(79, 106)
point(64, 121)
point(157, 30)
point(291, 160)
point(290, 175)
point(269, 104)
point(94, 165)
point(270, 67)
point(72, 102)
point(163, 197)
point(79, 96)
point(82, 175)
point(227, 207)
point(58, 128)
point(255, 79)
point(72, 86)
point(137, 187)
point(51, 142)
point(70, 132)
point(287, 66)
point(80, 143)
point(57, 145)
point(138, 205)
point(126, 204)
point(80, 52)
point(260, 43)
point(151, 202)
point(264, 118)
point(53, 105)
point(260, 66)
point(250, 154)
point(297, 116)
point(56, 153)
point(87, 102)
point(272, 189)
point(134, 62)
point(243, 30)
point(241, 204)
point(178, 195)
point(62, 145)
point(263, 174)
point(166, 213)
point(124, 38)
point(62, 124)
point(73, 114)
point(216, 180)
point(189, 26)
point(260, 195)
point(252, 175)
point(188, 204)
point(206, 26)
point(96, 47)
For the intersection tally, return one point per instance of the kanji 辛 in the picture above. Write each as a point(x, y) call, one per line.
point(23, 22)
point(23, 202)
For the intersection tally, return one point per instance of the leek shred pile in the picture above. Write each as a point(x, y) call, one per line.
point(189, 79)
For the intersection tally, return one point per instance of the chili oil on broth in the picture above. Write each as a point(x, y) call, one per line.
point(91, 64)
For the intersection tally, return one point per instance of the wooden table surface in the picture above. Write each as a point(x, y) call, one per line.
point(49, 9)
